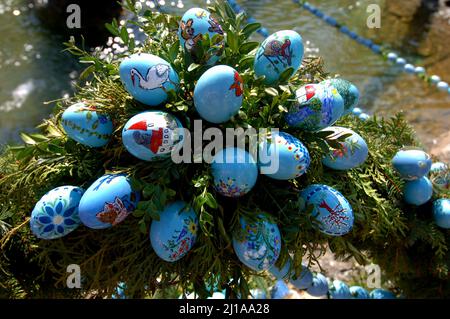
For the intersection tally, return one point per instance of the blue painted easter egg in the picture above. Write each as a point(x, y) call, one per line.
point(381, 294)
point(280, 51)
point(441, 212)
point(359, 292)
point(354, 150)
point(418, 192)
point(175, 233)
point(438, 167)
point(56, 213)
point(302, 281)
point(257, 244)
point(348, 91)
point(85, 125)
point(152, 135)
point(108, 201)
point(332, 211)
point(412, 163)
point(283, 157)
point(195, 24)
point(120, 291)
point(319, 286)
point(235, 172)
point(339, 290)
point(218, 94)
point(280, 290)
point(257, 294)
point(148, 78)
point(317, 106)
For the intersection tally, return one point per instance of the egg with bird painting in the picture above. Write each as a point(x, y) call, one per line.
point(175, 233)
point(195, 25)
point(87, 125)
point(316, 107)
point(353, 151)
point(279, 52)
point(257, 243)
point(347, 90)
point(108, 201)
point(152, 135)
point(332, 212)
point(56, 214)
point(148, 78)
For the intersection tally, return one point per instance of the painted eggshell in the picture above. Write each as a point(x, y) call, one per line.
point(316, 107)
point(218, 94)
point(257, 244)
point(148, 77)
point(280, 51)
point(438, 167)
point(332, 211)
point(235, 172)
point(319, 286)
point(303, 281)
point(359, 292)
point(175, 233)
point(108, 201)
point(381, 294)
point(152, 135)
point(441, 212)
point(340, 290)
point(348, 91)
point(418, 192)
point(412, 164)
point(194, 25)
point(354, 150)
point(85, 125)
point(56, 213)
point(120, 291)
point(280, 290)
point(283, 157)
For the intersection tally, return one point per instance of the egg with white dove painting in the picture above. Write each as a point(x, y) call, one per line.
point(148, 78)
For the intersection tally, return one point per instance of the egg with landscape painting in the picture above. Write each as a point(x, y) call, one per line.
point(353, 151)
point(56, 214)
point(175, 233)
point(108, 201)
point(257, 243)
point(331, 210)
point(317, 106)
point(347, 90)
point(153, 135)
point(195, 25)
point(87, 125)
point(279, 52)
point(148, 78)
point(412, 163)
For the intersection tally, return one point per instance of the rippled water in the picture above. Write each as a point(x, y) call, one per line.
point(33, 70)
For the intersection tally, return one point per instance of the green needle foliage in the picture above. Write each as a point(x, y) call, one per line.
point(403, 240)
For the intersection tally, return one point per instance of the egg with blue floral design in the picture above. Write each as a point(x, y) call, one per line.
point(108, 201)
point(353, 151)
point(257, 243)
point(152, 135)
point(56, 214)
point(359, 292)
point(319, 286)
point(279, 52)
point(235, 172)
point(175, 233)
point(218, 94)
point(195, 25)
point(340, 290)
point(441, 212)
point(86, 125)
point(347, 90)
point(148, 78)
point(317, 106)
point(412, 163)
point(283, 157)
point(331, 210)
point(418, 192)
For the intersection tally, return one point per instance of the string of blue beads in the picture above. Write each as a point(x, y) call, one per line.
point(238, 9)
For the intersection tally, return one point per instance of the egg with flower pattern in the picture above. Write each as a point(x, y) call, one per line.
point(86, 125)
point(175, 233)
point(108, 201)
point(353, 151)
point(317, 106)
point(257, 243)
point(56, 213)
point(283, 157)
point(331, 210)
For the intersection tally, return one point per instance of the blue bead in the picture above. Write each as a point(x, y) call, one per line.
point(443, 86)
point(318, 13)
point(420, 70)
point(400, 61)
point(376, 48)
point(364, 117)
point(353, 35)
point(435, 79)
point(392, 56)
point(331, 20)
point(357, 111)
point(409, 68)
point(344, 29)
